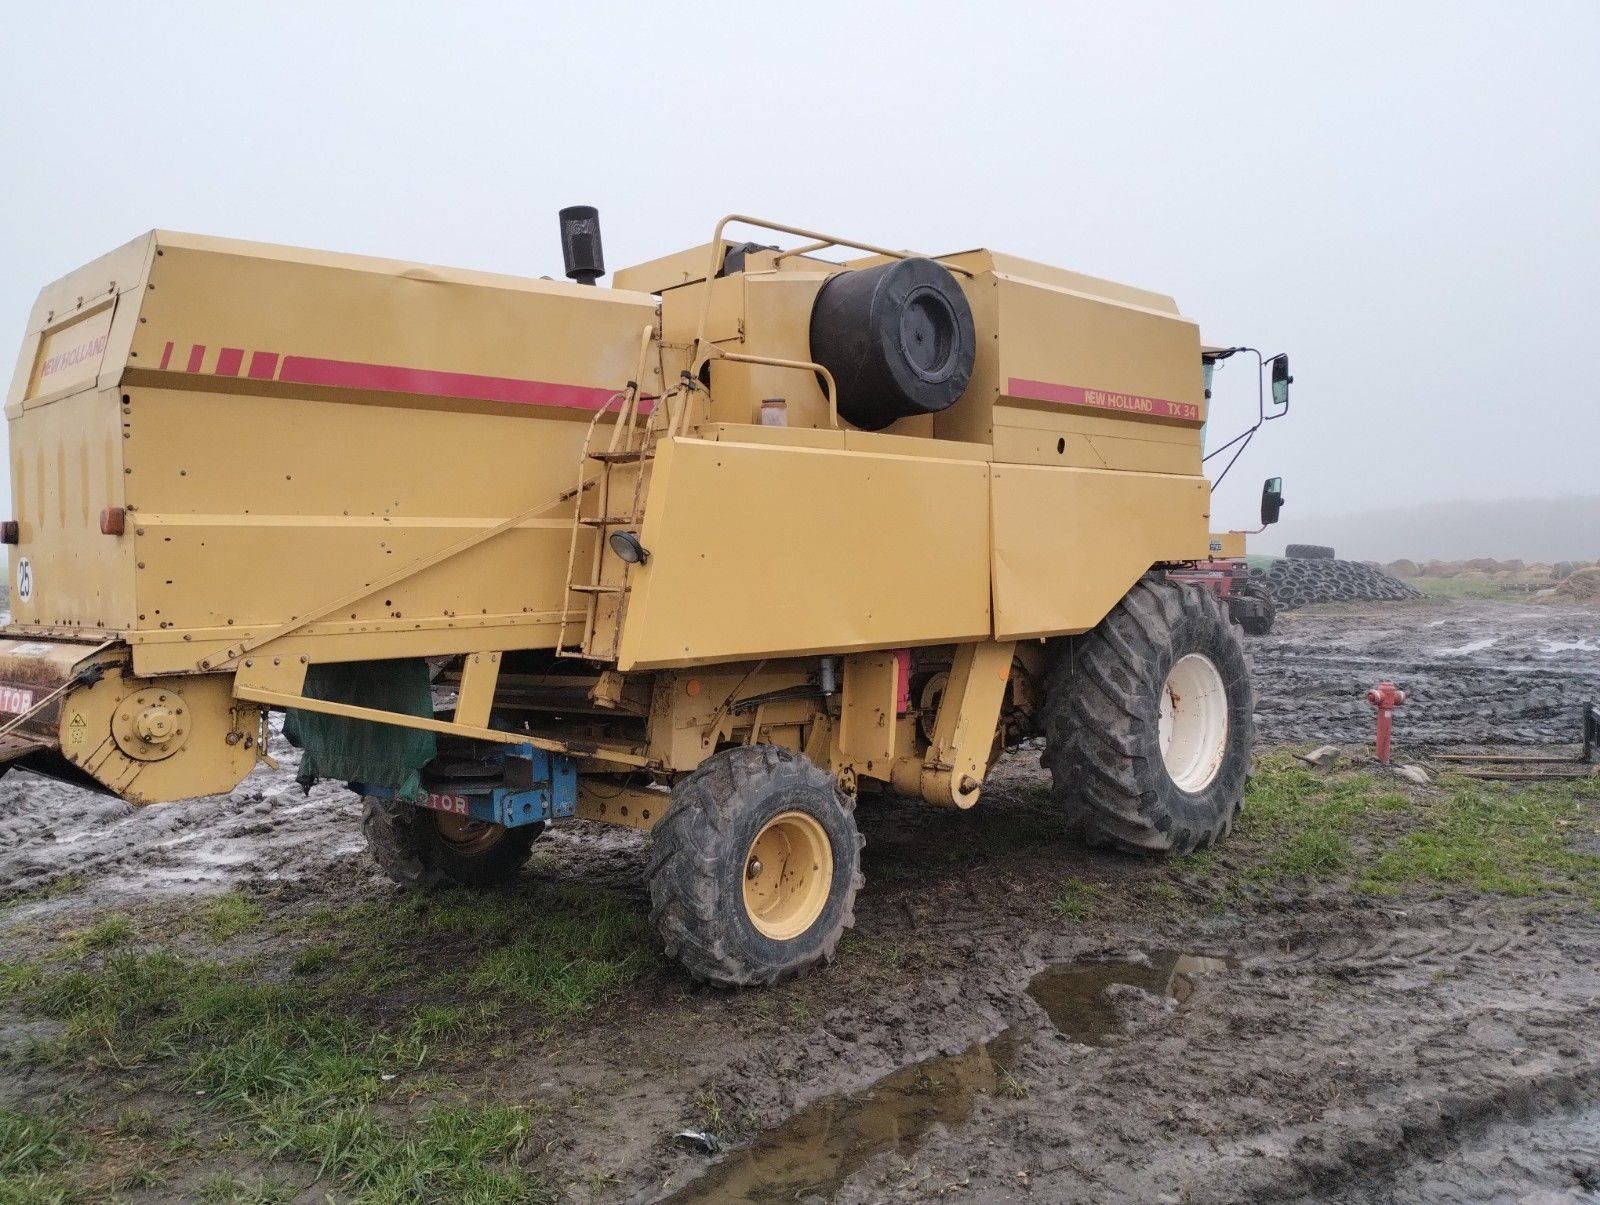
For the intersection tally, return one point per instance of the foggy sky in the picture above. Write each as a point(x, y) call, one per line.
point(1405, 197)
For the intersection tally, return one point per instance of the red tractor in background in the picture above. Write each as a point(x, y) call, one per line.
point(1250, 604)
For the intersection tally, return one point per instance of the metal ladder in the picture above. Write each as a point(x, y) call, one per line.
point(631, 447)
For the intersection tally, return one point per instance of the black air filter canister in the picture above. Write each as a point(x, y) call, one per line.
point(580, 244)
point(897, 338)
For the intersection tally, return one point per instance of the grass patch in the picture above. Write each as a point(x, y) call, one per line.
point(107, 933)
point(1496, 838)
point(1462, 587)
point(1299, 824)
point(230, 915)
point(313, 958)
point(302, 1079)
point(64, 885)
point(227, 1190)
point(310, 1059)
point(36, 1155)
point(1076, 901)
point(556, 949)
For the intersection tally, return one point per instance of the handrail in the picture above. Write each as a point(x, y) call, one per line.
point(829, 388)
point(819, 242)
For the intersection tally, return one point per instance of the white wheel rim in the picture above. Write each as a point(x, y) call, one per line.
point(1194, 722)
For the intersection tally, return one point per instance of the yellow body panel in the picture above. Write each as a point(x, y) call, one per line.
point(288, 425)
point(757, 551)
point(1053, 576)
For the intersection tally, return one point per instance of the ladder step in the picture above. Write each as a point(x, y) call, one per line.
point(626, 456)
point(595, 589)
point(607, 521)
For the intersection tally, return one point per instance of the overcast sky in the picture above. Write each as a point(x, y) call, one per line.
point(1406, 197)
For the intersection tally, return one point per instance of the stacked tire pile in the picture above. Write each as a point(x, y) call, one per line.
point(1312, 574)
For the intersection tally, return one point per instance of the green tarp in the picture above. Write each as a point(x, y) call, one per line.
point(380, 755)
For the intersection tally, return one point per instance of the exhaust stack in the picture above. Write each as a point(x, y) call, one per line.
point(580, 244)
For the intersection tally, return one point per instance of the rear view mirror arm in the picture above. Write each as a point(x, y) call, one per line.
point(1243, 438)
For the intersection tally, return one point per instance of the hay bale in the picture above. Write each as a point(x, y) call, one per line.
point(1401, 568)
point(1582, 586)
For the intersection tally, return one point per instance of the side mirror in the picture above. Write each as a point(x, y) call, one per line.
point(1271, 500)
point(1281, 380)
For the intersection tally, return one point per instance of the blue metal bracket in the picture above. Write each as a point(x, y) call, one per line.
point(540, 787)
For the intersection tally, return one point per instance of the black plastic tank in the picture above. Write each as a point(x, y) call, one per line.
point(897, 338)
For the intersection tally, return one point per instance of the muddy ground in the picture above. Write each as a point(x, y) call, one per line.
point(1474, 671)
point(1015, 1017)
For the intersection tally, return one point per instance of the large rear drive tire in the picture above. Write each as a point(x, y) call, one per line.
point(755, 867)
point(422, 848)
point(1148, 721)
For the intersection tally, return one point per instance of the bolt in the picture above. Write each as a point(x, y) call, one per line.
point(753, 871)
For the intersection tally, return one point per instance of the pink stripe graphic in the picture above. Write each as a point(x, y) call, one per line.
point(166, 354)
point(263, 364)
point(392, 378)
point(1102, 399)
point(197, 355)
point(228, 361)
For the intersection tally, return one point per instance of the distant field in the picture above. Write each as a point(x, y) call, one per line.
point(1458, 587)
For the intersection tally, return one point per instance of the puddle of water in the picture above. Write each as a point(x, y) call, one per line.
point(819, 1148)
point(1568, 646)
point(1074, 995)
point(1470, 647)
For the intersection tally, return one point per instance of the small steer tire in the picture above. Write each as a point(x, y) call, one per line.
point(421, 848)
point(1148, 721)
point(754, 868)
point(1259, 625)
point(1308, 552)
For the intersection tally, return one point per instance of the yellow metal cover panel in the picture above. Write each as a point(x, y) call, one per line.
point(1227, 543)
point(758, 550)
point(1061, 350)
point(1068, 543)
point(70, 314)
point(66, 467)
point(249, 315)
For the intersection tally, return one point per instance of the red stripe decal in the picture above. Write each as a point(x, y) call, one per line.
point(263, 364)
point(228, 361)
point(1102, 399)
point(392, 378)
point(197, 355)
point(166, 354)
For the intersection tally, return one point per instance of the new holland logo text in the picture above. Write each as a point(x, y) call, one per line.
point(87, 350)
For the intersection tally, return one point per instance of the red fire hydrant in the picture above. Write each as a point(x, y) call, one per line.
point(1385, 697)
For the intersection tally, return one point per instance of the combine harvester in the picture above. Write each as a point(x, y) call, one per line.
point(715, 552)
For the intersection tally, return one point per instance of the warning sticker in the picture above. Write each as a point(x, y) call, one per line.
point(76, 727)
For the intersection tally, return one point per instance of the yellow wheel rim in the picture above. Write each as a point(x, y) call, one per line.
point(787, 874)
point(466, 835)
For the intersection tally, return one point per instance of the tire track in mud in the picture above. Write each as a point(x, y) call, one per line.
point(1403, 948)
point(1424, 1145)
